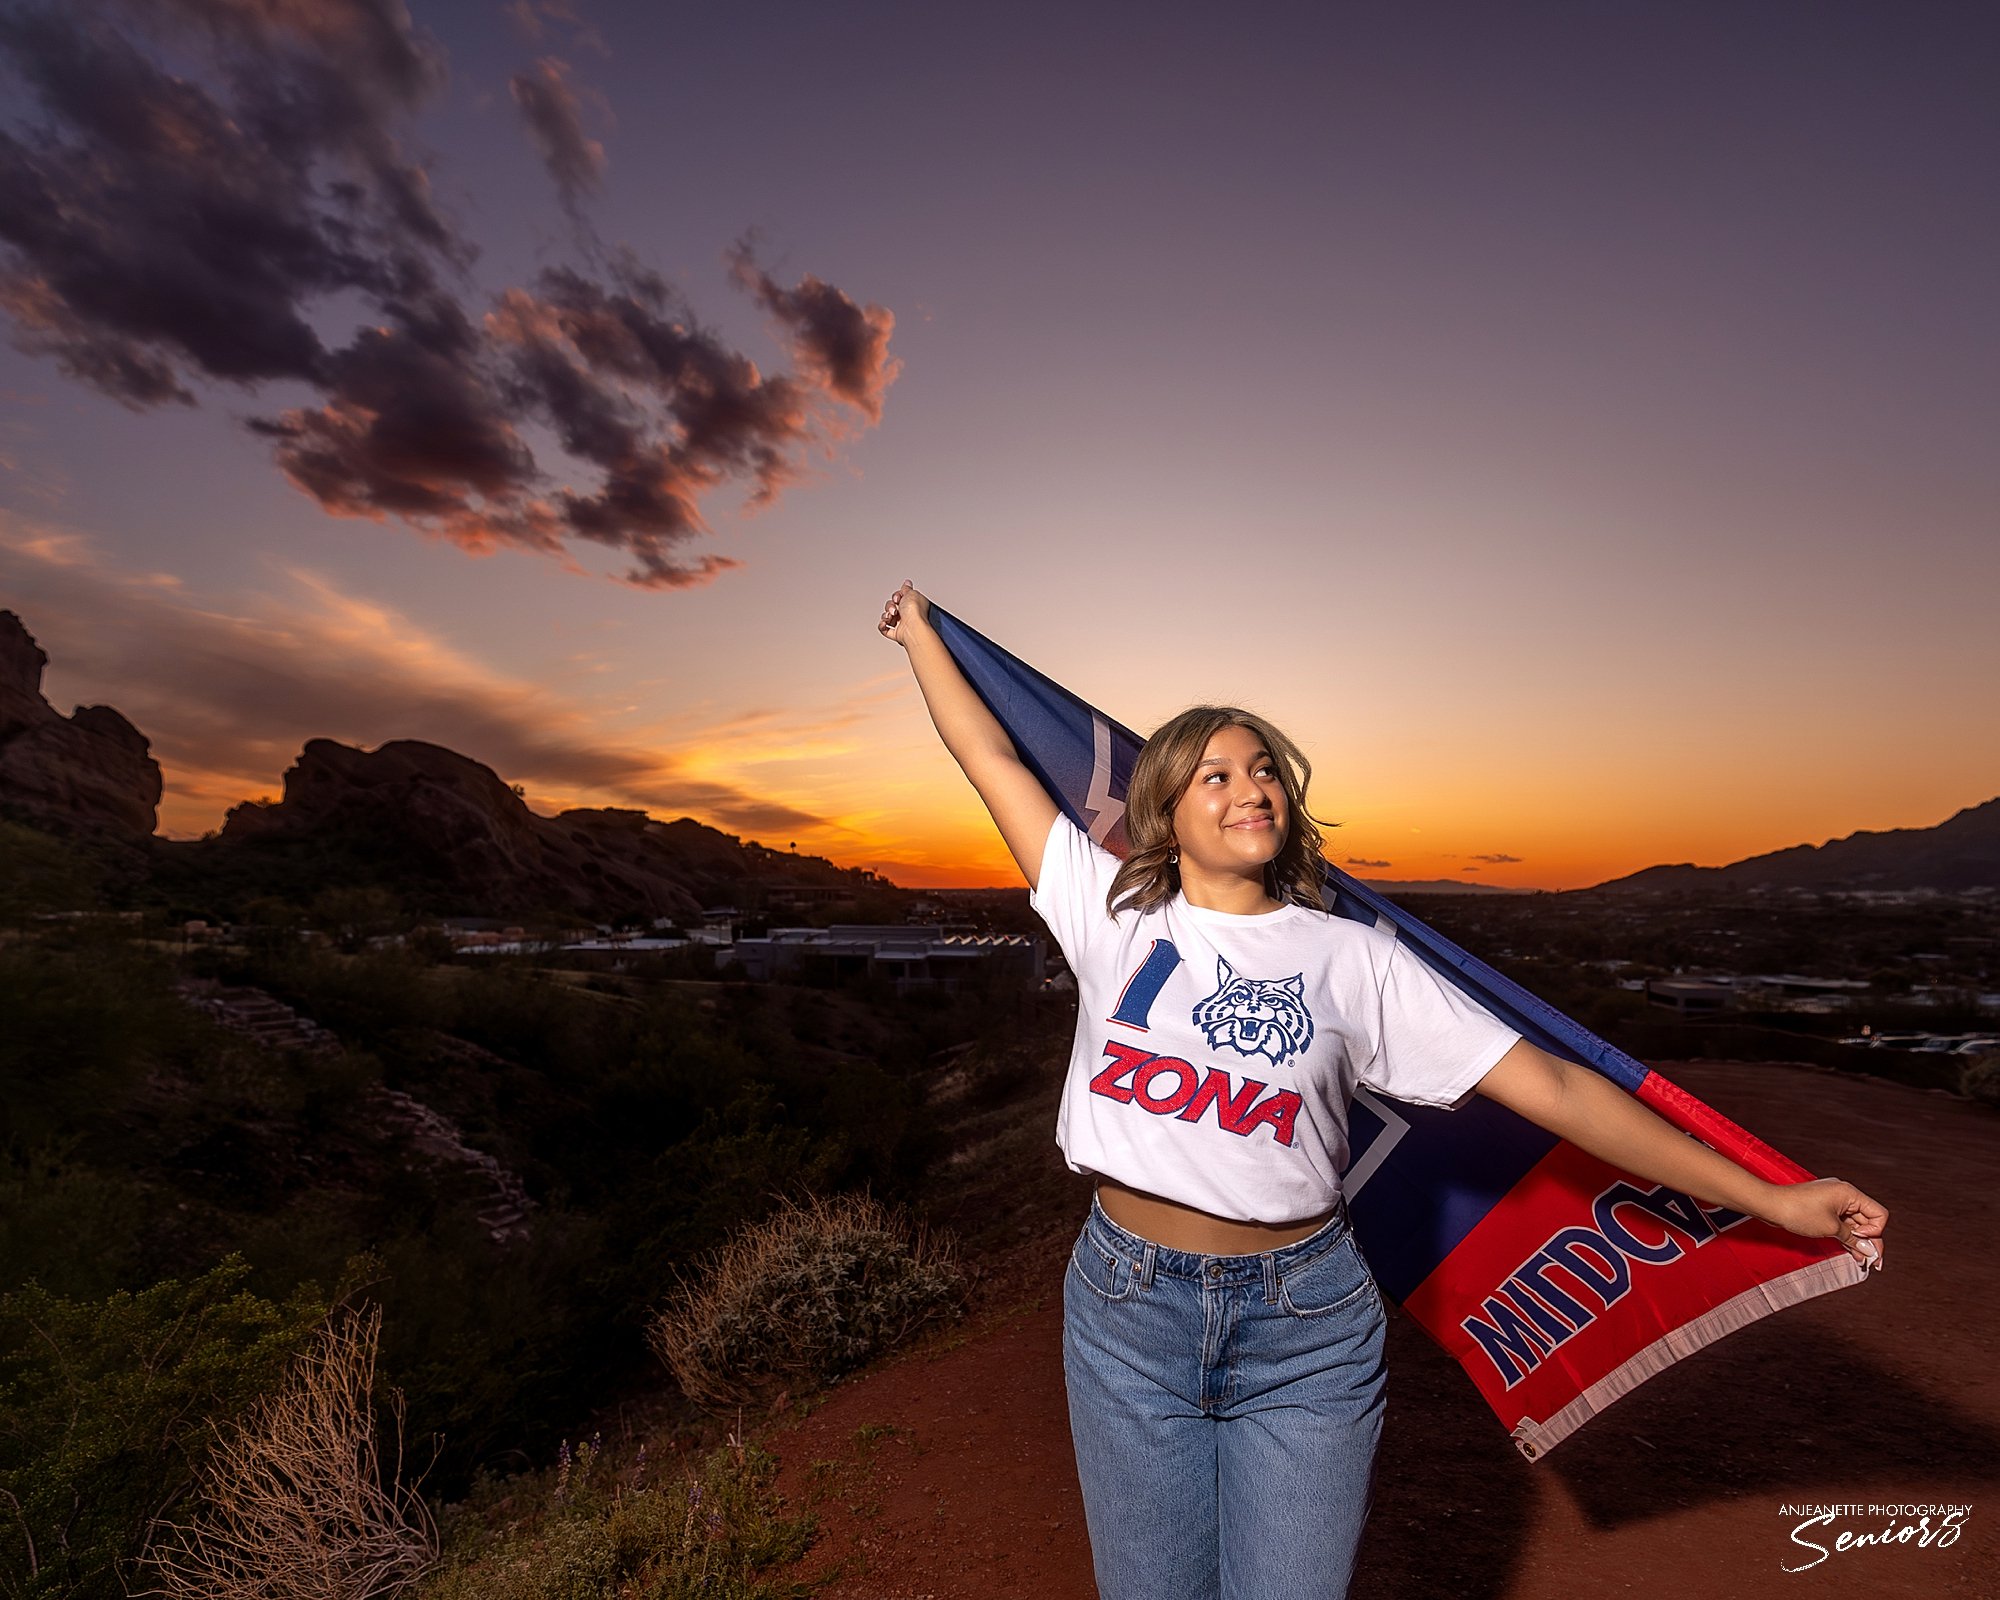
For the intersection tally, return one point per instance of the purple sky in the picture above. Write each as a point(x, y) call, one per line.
point(1573, 423)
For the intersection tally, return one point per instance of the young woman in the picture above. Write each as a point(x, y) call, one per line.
point(1222, 1336)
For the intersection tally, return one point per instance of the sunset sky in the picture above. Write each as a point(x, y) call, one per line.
point(1576, 424)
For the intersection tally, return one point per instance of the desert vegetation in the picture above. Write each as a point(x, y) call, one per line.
point(294, 1498)
point(485, 1203)
point(1979, 1079)
point(600, 1525)
point(108, 1409)
point(185, 1210)
point(809, 1294)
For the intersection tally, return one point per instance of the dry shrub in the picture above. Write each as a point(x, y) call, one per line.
point(293, 1504)
point(813, 1291)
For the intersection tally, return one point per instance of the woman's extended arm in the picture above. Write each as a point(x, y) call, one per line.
point(1594, 1114)
point(1019, 805)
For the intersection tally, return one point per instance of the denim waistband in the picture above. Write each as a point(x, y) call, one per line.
point(1150, 1260)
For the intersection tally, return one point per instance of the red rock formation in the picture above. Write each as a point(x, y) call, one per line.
point(422, 814)
point(438, 825)
point(88, 773)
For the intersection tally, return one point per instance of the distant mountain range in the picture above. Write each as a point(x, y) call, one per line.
point(1962, 852)
point(1396, 887)
point(445, 832)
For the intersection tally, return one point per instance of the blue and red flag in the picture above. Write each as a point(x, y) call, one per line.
point(1557, 1281)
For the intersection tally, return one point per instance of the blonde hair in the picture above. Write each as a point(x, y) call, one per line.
point(1150, 876)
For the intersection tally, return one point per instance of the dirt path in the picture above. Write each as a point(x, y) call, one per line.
point(947, 1475)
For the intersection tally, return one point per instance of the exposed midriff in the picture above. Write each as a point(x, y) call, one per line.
point(1184, 1227)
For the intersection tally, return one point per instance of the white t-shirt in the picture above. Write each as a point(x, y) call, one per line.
point(1216, 1054)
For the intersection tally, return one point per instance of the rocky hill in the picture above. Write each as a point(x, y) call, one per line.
point(1962, 852)
point(440, 830)
point(422, 817)
point(90, 774)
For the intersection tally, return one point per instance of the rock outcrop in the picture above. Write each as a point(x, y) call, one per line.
point(443, 827)
point(90, 774)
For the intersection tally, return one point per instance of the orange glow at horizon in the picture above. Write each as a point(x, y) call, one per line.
point(946, 840)
point(1575, 786)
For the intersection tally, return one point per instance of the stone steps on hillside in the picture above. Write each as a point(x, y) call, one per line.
point(269, 1021)
point(255, 1015)
point(505, 1213)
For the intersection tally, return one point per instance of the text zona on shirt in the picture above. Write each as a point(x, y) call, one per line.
point(1135, 1077)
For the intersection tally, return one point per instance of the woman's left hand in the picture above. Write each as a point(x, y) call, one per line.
point(1831, 1208)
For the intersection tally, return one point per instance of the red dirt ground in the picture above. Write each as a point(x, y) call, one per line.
point(946, 1474)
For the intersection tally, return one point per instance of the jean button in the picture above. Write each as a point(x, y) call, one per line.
point(1215, 1269)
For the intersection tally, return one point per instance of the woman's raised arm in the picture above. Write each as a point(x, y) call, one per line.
point(1014, 797)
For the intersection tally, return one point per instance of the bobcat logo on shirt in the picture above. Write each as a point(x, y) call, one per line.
point(1256, 1016)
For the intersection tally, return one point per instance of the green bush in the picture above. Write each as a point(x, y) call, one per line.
point(1979, 1079)
point(364, 999)
point(86, 1017)
point(596, 1531)
point(105, 1409)
point(40, 874)
point(76, 1228)
point(494, 1349)
point(808, 1294)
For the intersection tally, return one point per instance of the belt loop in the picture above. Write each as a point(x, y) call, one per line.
point(1270, 1260)
point(1146, 1265)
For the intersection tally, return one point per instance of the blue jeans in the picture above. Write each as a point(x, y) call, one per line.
point(1225, 1412)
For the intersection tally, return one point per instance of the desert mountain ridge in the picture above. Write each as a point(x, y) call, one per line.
point(441, 828)
point(1962, 852)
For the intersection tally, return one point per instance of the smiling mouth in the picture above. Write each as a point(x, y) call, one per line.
point(1253, 822)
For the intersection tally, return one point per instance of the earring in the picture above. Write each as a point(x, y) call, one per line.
point(1174, 856)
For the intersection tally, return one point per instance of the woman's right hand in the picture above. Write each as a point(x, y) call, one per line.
point(905, 608)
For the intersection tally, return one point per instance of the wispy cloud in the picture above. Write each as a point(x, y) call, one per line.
point(1497, 860)
point(841, 346)
point(552, 112)
point(167, 229)
point(533, 18)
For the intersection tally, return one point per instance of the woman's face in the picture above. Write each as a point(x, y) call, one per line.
point(1232, 817)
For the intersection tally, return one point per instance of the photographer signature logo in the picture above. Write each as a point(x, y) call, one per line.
point(1834, 1530)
